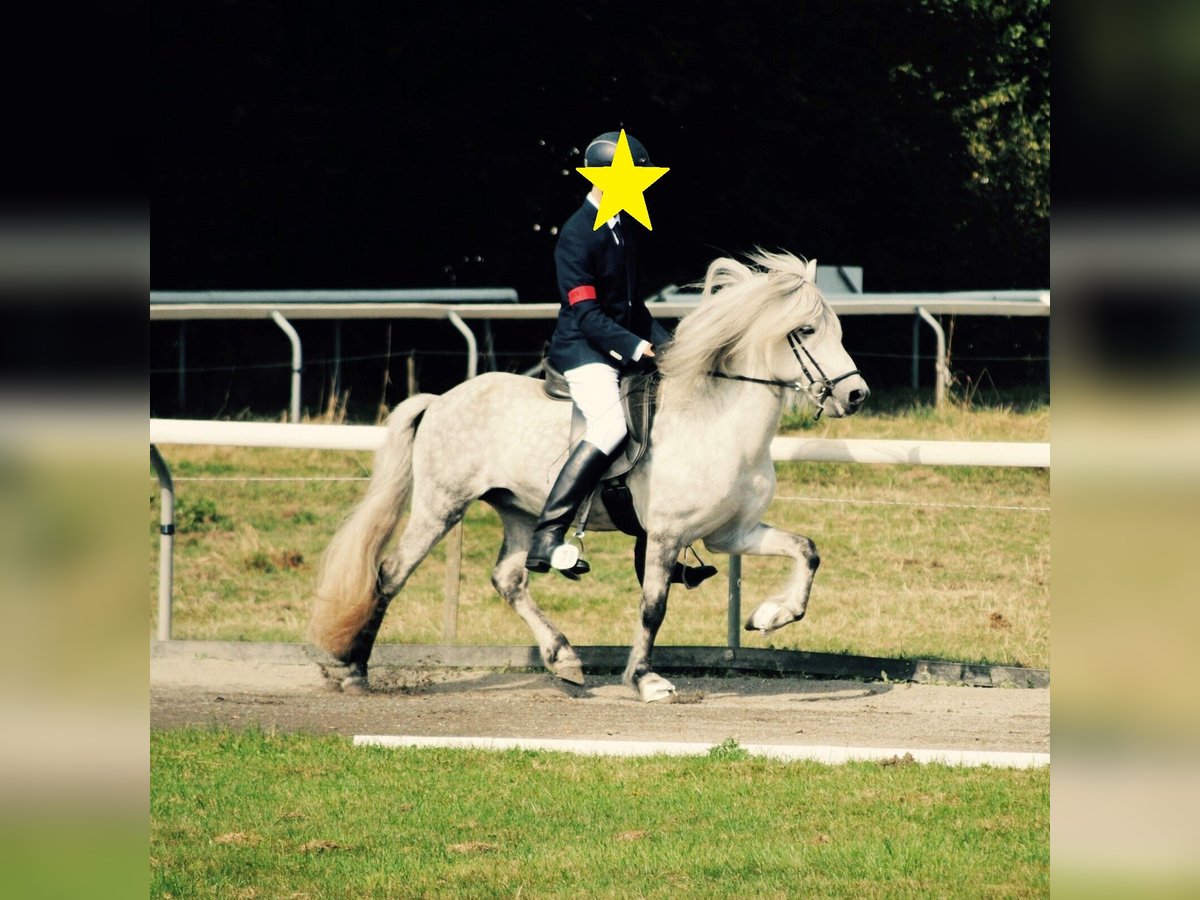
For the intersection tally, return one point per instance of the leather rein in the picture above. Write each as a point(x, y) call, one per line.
point(817, 389)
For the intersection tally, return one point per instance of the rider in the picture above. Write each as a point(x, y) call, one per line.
point(603, 330)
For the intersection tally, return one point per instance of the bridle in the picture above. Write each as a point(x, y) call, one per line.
point(817, 389)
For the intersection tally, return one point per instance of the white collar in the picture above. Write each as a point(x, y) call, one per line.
point(611, 223)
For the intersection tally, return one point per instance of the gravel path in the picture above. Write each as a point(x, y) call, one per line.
point(198, 691)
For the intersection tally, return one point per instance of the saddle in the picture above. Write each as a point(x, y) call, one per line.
point(639, 392)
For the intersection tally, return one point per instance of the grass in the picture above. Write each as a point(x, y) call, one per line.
point(250, 814)
point(912, 579)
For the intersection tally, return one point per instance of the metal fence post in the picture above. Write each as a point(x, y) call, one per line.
point(454, 547)
point(734, 624)
point(337, 361)
point(166, 543)
point(916, 352)
point(472, 344)
point(297, 361)
point(941, 366)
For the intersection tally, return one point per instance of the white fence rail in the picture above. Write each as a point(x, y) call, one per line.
point(186, 305)
point(783, 449)
point(370, 438)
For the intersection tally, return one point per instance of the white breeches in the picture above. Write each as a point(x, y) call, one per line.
point(596, 391)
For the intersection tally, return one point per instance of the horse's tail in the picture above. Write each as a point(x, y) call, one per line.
point(350, 567)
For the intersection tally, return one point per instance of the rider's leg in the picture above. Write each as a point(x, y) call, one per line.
point(594, 388)
point(576, 480)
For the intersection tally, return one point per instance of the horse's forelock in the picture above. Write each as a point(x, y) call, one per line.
point(723, 273)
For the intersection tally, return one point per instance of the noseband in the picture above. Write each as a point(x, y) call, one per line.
point(817, 389)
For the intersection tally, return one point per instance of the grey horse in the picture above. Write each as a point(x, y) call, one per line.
point(760, 332)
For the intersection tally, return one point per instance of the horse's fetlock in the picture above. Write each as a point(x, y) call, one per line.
point(653, 614)
point(809, 550)
point(559, 650)
point(652, 621)
point(640, 671)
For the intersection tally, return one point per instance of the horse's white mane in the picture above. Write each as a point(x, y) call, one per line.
point(742, 310)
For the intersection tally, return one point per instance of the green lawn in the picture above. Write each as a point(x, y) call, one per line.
point(249, 814)
point(908, 568)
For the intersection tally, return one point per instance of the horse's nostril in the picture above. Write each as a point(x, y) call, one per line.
point(858, 396)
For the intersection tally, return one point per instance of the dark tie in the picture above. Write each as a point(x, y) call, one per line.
point(619, 234)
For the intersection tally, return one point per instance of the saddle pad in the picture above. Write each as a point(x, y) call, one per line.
point(638, 400)
point(639, 393)
point(555, 386)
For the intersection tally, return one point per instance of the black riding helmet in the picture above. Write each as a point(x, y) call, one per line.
point(601, 150)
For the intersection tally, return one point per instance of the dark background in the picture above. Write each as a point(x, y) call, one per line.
point(304, 145)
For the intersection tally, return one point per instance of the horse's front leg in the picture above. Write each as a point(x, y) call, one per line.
point(790, 604)
point(650, 686)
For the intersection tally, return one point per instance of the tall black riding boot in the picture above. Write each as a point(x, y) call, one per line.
point(577, 479)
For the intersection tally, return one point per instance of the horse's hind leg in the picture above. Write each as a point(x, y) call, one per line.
point(511, 580)
point(660, 559)
point(353, 678)
point(426, 526)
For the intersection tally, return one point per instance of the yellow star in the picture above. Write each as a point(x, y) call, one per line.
point(622, 184)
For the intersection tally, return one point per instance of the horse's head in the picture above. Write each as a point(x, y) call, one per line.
point(766, 322)
point(809, 351)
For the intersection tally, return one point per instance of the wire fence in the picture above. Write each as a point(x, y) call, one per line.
point(857, 501)
point(922, 505)
point(334, 360)
point(531, 354)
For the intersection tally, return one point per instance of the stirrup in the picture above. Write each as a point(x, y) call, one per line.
point(565, 559)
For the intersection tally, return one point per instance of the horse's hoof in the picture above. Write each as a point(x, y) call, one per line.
point(770, 616)
point(569, 670)
point(355, 684)
point(335, 673)
point(654, 687)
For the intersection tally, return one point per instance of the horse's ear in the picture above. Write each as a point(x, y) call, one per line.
point(810, 272)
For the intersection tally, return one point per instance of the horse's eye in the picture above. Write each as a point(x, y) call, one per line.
point(806, 329)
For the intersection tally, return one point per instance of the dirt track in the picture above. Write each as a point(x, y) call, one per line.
point(490, 704)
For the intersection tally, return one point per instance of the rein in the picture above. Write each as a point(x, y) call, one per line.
point(817, 389)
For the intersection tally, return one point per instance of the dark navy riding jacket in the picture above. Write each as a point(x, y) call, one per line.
point(601, 319)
